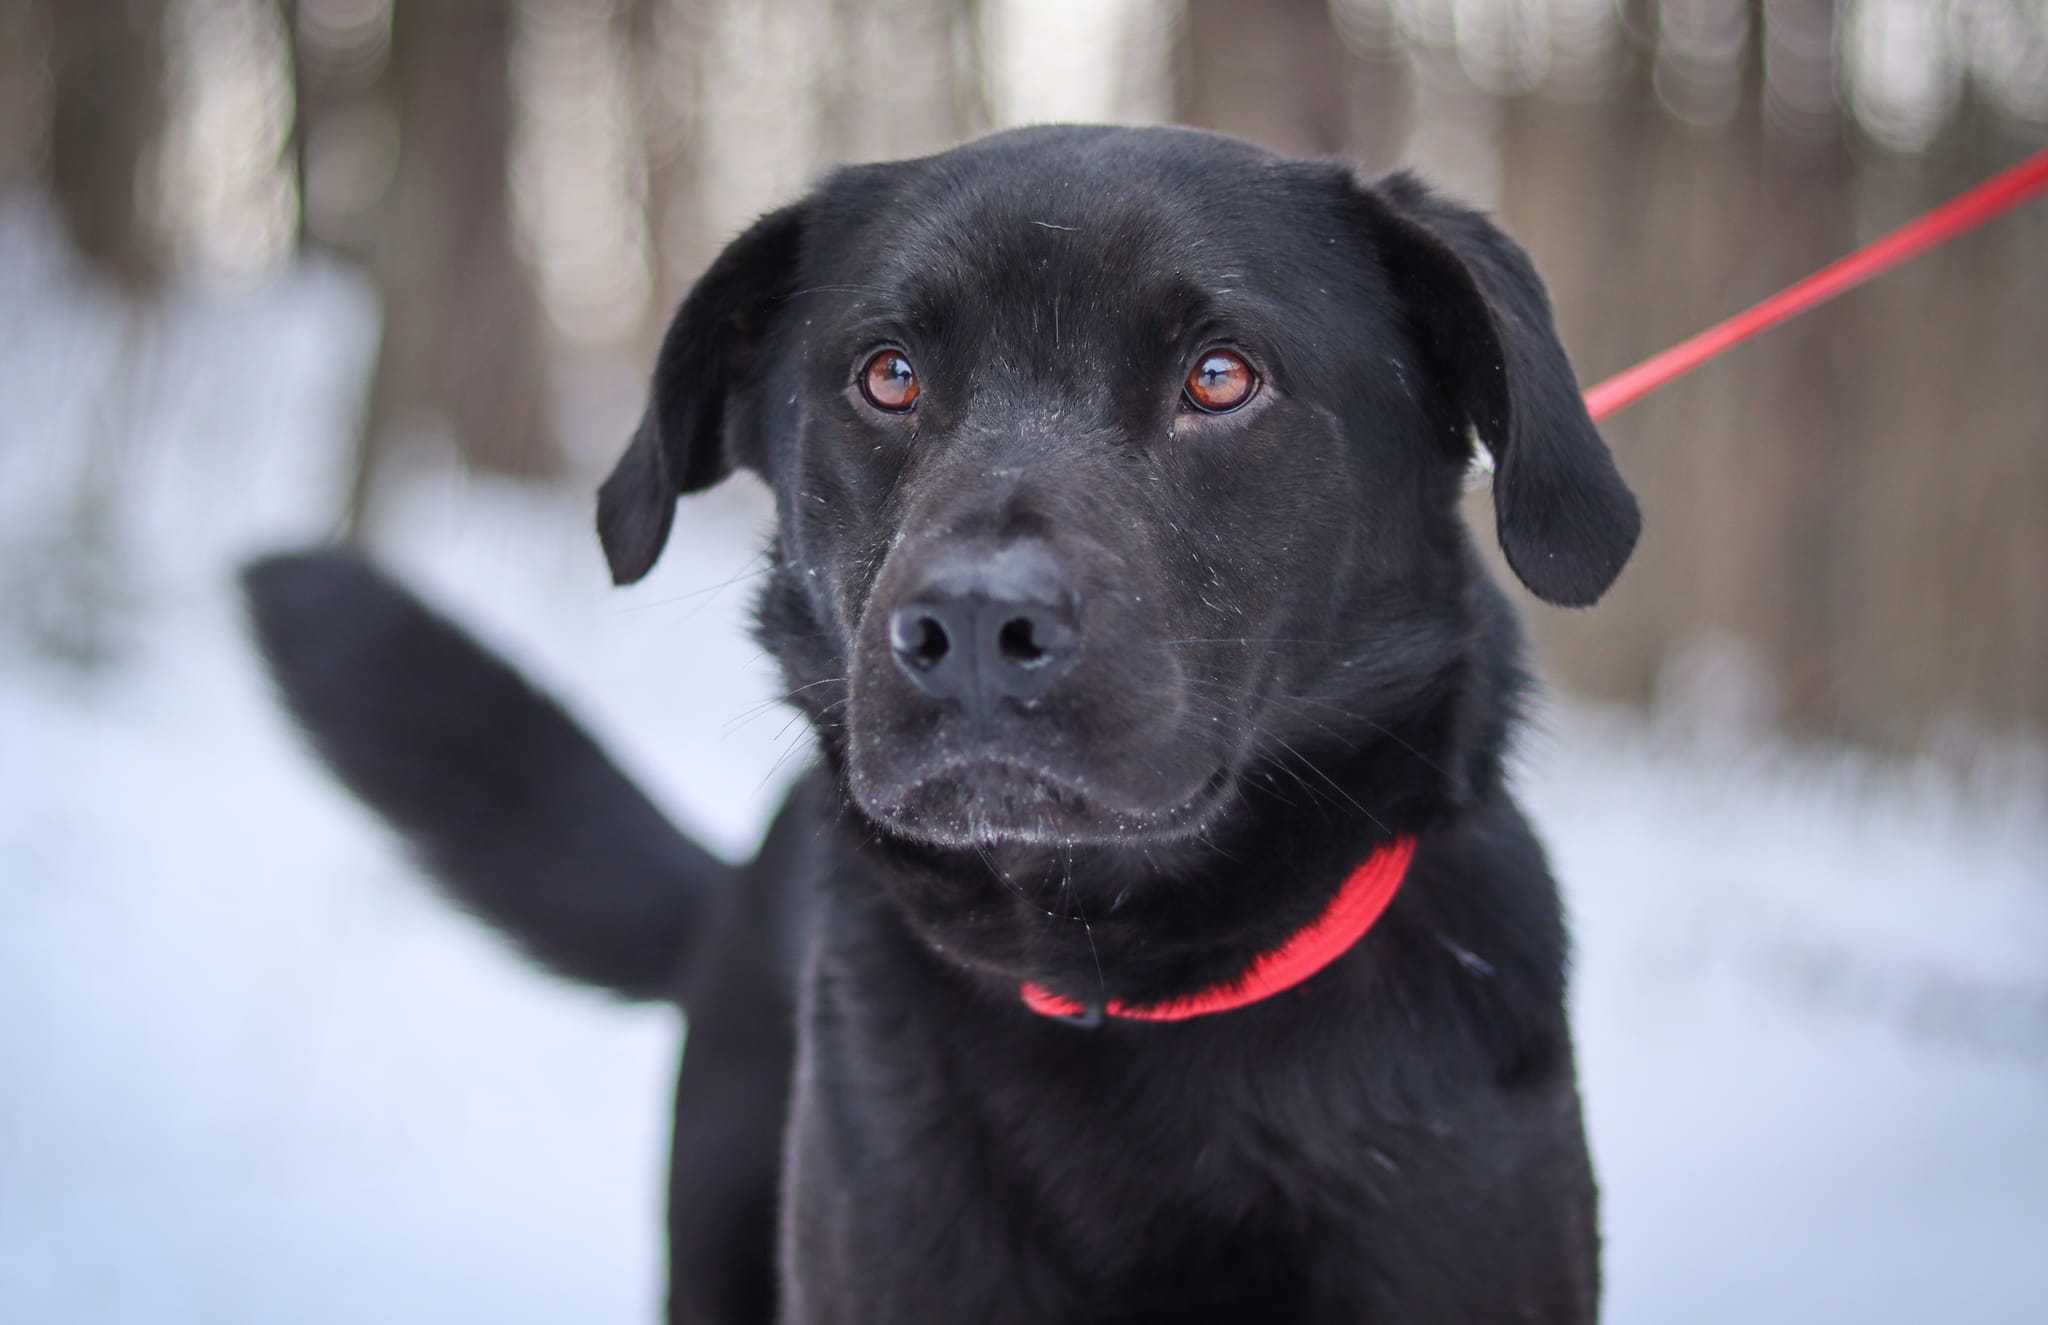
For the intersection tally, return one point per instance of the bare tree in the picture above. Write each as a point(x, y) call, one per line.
point(1273, 71)
point(463, 345)
point(106, 122)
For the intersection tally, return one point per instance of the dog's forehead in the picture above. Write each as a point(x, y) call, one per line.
point(1145, 213)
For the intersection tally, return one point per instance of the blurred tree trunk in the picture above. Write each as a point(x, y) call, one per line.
point(25, 60)
point(106, 120)
point(1272, 71)
point(463, 346)
point(313, 102)
point(108, 58)
point(666, 82)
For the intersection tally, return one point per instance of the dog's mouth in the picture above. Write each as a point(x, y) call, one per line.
point(989, 800)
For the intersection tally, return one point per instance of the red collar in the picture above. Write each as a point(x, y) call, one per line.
point(1357, 905)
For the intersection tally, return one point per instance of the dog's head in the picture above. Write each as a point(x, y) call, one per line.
point(1111, 463)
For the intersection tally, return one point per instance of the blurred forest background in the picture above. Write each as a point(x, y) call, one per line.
point(1848, 521)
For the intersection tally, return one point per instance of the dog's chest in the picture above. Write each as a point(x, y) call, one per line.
point(954, 1225)
point(943, 1180)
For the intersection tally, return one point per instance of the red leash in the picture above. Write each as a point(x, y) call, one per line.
point(2001, 193)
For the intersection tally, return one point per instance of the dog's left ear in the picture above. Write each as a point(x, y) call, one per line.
point(1482, 321)
point(692, 435)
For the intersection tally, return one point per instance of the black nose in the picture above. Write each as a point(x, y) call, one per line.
point(983, 625)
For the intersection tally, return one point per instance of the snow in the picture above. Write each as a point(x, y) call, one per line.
point(1813, 1026)
point(250, 1069)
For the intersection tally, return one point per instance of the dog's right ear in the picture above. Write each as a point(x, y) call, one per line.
point(1480, 315)
point(689, 437)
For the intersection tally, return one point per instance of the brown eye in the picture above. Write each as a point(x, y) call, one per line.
point(889, 382)
point(1220, 381)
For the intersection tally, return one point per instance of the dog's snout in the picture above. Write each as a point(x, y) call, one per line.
point(986, 625)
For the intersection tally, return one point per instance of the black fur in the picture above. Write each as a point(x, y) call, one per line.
point(1288, 652)
point(510, 805)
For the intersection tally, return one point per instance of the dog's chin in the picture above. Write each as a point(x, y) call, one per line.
point(1002, 802)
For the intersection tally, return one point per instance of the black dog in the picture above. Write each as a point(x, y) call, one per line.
point(1119, 571)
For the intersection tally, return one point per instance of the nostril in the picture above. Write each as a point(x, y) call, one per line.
point(1018, 643)
point(919, 639)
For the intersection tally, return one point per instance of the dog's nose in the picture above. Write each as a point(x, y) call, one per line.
point(984, 625)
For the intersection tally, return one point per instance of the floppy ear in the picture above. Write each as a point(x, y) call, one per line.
point(689, 437)
point(1480, 316)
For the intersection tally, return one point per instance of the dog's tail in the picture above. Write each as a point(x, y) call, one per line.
point(513, 807)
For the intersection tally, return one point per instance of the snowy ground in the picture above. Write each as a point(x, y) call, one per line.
point(249, 1070)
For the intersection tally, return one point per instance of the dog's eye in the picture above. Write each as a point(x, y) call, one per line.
point(1220, 381)
point(889, 382)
